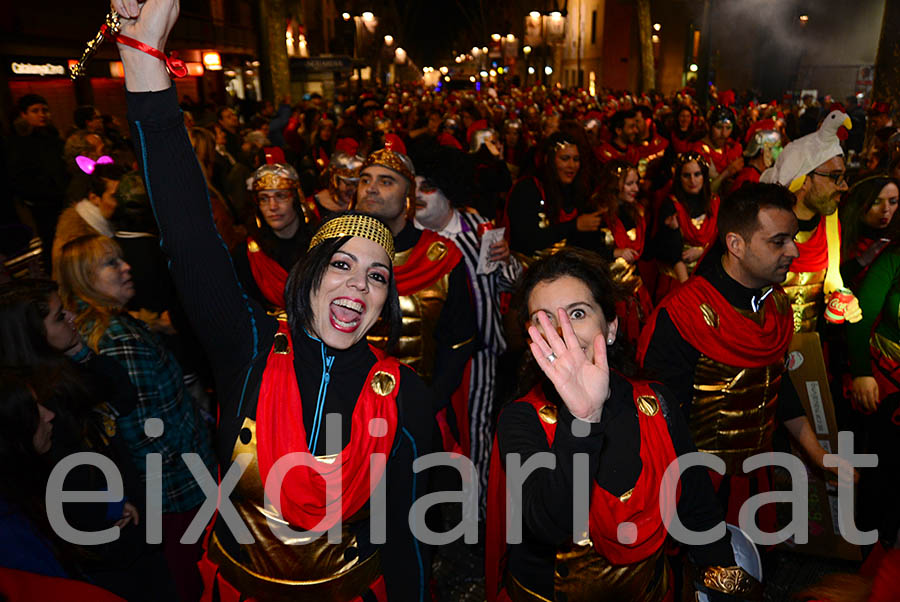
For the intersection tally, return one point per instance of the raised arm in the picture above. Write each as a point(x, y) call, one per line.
point(228, 324)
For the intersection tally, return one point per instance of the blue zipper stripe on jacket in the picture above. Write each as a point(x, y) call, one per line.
point(327, 362)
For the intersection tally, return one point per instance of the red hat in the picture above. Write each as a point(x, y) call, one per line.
point(393, 142)
point(446, 139)
point(762, 124)
point(481, 124)
point(879, 108)
point(347, 145)
point(274, 154)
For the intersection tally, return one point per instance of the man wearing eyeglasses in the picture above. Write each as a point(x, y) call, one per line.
point(281, 236)
point(812, 167)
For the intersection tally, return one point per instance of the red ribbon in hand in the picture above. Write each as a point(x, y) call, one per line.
point(174, 64)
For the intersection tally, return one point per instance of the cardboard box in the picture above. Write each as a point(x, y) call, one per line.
point(806, 367)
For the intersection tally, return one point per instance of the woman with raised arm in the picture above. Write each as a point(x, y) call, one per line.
point(580, 404)
point(277, 380)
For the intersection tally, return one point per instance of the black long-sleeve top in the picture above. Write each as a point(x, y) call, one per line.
point(613, 449)
point(525, 203)
point(672, 360)
point(456, 329)
point(237, 335)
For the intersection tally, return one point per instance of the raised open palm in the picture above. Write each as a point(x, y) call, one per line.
point(583, 385)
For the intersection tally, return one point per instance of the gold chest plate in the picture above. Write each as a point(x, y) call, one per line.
point(582, 575)
point(805, 290)
point(733, 411)
point(421, 312)
point(288, 568)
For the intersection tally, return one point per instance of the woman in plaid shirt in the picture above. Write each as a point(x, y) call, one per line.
point(95, 284)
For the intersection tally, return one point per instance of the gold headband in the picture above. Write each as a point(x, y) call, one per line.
point(363, 226)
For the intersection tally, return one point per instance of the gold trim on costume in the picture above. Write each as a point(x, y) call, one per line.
point(281, 345)
point(462, 344)
point(271, 181)
point(626, 496)
point(648, 405)
point(436, 251)
point(252, 246)
point(363, 226)
point(731, 580)
point(709, 315)
point(383, 383)
point(548, 414)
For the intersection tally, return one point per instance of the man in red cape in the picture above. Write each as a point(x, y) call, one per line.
point(281, 237)
point(719, 344)
point(439, 328)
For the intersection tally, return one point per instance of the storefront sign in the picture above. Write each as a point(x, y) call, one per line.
point(321, 65)
point(33, 69)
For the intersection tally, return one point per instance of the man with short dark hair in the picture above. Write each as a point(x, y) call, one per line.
point(86, 117)
point(439, 328)
point(227, 119)
point(37, 173)
point(625, 130)
point(719, 344)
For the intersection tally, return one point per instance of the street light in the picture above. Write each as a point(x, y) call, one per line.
point(510, 38)
point(654, 38)
point(531, 70)
point(400, 55)
point(693, 67)
point(368, 17)
point(388, 39)
point(476, 50)
point(657, 27)
point(534, 14)
point(556, 15)
point(445, 70)
point(804, 19)
point(484, 49)
point(548, 70)
point(495, 37)
point(345, 16)
point(526, 50)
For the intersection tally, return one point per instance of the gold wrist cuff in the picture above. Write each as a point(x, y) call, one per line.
point(732, 580)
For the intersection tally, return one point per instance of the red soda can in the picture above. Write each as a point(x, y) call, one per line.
point(484, 227)
point(837, 305)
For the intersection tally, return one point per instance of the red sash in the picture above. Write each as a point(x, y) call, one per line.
point(706, 233)
point(421, 271)
point(813, 253)
point(280, 431)
point(620, 235)
point(607, 511)
point(270, 277)
point(736, 340)
point(720, 157)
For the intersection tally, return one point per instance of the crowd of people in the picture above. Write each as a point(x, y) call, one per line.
point(460, 271)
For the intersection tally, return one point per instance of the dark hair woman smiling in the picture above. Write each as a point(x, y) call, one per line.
point(277, 380)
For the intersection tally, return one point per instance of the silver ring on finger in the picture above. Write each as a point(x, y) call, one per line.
point(551, 358)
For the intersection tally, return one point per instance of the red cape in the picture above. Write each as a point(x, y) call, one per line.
point(607, 511)
point(735, 340)
point(698, 237)
point(306, 497)
point(814, 252)
point(421, 271)
point(270, 277)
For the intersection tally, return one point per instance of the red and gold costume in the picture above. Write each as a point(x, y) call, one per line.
point(320, 570)
point(727, 365)
point(598, 567)
point(634, 310)
point(804, 284)
point(423, 275)
point(697, 232)
point(721, 158)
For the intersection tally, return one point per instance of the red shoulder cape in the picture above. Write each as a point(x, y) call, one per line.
point(307, 496)
point(433, 257)
point(607, 511)
point(814, 252)
point(734, 339)
point(706, 233)
point(270, 277)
